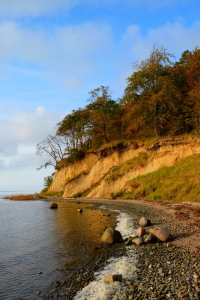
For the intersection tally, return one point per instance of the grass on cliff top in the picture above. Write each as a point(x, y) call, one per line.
point(180, 182)
point(120, 170)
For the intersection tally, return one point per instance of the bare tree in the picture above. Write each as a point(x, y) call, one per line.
point(53, 146)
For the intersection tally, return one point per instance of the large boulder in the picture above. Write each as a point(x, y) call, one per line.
point(163, 233)
point(111, 236)
point(140, 232)
point(144, 222)
point(53, 205)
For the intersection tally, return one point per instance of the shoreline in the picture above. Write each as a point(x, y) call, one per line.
point(186, 214)
point(163, 272)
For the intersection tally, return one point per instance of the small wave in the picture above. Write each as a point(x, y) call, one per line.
point(125, 265)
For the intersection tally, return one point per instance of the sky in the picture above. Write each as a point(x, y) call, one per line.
point(53, 52)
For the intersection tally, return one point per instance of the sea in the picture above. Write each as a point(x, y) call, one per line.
point(39, 246)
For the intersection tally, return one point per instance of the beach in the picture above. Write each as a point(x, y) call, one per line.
point(162, 270)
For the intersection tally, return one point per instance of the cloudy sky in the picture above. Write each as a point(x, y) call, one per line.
point(53, 52)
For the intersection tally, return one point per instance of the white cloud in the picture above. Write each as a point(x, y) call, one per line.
point(27, 128)
point(73, 56)
point(136, 46)
point(174, 36)
point(66, 53)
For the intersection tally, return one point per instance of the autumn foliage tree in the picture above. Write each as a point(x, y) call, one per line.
point(151, 96)
point(98, 122)
point(190, 68)
point(104, 115)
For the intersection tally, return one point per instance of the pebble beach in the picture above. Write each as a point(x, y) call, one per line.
point(160, 270)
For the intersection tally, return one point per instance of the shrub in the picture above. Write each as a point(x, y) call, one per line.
point(69, 179)
point(52, 193)
point(48, 181)
point(156, 197)
point(76, 154)
point(117, 194)
point(78, 195)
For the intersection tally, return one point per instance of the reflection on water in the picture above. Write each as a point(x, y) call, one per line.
point(35, 239)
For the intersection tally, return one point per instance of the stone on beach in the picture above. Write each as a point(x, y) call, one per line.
point(112, 278)
point(128, 243)
point(129, 240)
point(149, 238)
point(138, 241)
point(111, 236)
point(163, 233)
point(140, 232)
point(151, 230)
point(53, 205)
point(144, 222)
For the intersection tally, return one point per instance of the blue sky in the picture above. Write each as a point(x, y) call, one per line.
point(53, 52)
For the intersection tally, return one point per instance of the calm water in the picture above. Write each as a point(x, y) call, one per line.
point(34, 239)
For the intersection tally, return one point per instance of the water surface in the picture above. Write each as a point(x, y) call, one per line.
point(35, 239)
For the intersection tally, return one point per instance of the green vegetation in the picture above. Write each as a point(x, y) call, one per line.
point(62, 163)
point(84, 172)
point(118, 194)
point(179, 182)
point(111, 144)
point(78, 195)
point(70, 179)
point(87, 191)
point(52, 193)
point(48, 181)
point(118, 171)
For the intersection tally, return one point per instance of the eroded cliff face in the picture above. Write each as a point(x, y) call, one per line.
point(91, 176)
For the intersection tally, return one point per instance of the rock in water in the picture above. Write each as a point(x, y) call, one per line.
point(144, 222)
point(80, 210)
point(53, 205)
point(112, 278)
point(111, 236)
point(140, 232)
point(163, 233)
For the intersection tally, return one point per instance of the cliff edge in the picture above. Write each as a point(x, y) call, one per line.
point(109, 171)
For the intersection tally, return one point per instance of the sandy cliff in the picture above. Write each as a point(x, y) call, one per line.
point(93, 175)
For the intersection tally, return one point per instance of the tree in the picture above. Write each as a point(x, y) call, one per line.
point(48, 181)
point(189, 65)
point(151, 95)
point(98, 122)
point(104, 115)
point(54, 147)
point(74, 127)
